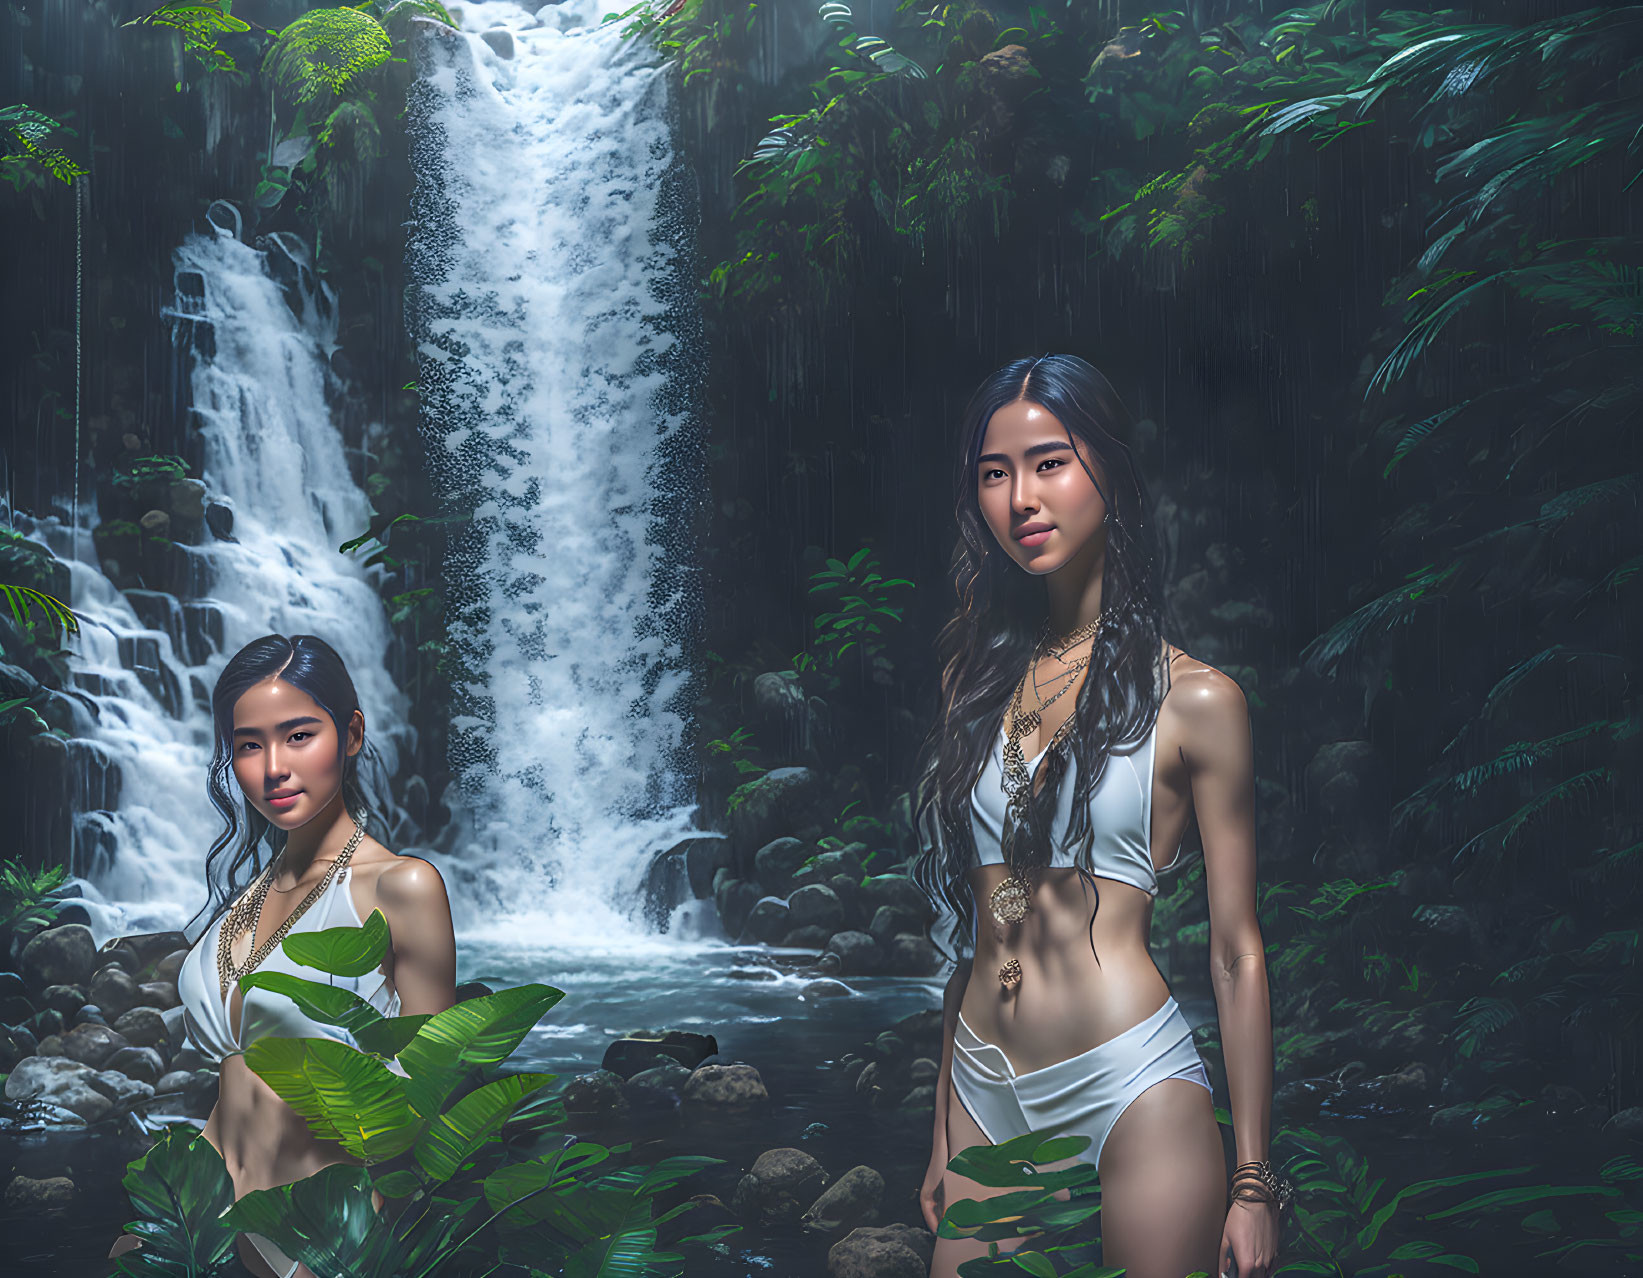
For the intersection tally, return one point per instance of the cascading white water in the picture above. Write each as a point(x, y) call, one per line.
point(272, 452)
point(557, 369)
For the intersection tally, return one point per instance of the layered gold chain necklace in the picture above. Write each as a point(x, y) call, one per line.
point(247, 913)
point(1011, 900)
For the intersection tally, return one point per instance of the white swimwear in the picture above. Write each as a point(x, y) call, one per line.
point(265, 1014)
point(1084, 1094)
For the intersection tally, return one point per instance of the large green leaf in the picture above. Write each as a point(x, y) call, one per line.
point(476, 1032)
point(341, 951)
point(456, 1135)
point(342, 1094)
point(179, 1188)
point(327, 1004)
point(388, 1036)
point(1015, 1162)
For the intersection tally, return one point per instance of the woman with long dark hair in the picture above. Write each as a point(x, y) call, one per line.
point(1073, 745)
point(295, 856)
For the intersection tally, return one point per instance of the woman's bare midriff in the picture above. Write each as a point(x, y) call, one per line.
point(262, 1140)
point(1067, 1001)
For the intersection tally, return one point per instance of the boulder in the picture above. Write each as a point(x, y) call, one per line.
point(816, 906)
point(114, 990)
point(169, 966)
point(119, 1087)
point(178, 1079)
point(897, 890)
point(658, 1087)
point(62, 955)
point(597, 1093)
point(825, 988)
point(142, 1027)
point(58, 1080)
point(643, 1049)
point(853, 1199)
point(735, 899)
point(778, 1187)
point(157, 994)
point(141, 1063)
point(857, 953)
point(806, 938)
point(910, 955)
point(778, 861)
point(704, 857)
point(725, 1087)
point(891, 920)
point(49, 1197)
point(887, 1251)
point(92, 1044)
point(766, 923)
point(67, 999)
point(779, 800)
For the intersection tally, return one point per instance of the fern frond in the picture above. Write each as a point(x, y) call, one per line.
point(325, 54)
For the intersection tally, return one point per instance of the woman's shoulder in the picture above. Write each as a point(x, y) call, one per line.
point(1197, 687)
point(399, 877)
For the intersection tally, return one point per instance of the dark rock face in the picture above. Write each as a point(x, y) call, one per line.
point(851, 1200)
point(767, 922)
point(816, 906)
point(857, 952)
point(775, 802)
point(778, 861)
point(58, 1081)
point(658, 1087)
point(114, 990)
point(92, 1044)
point(597, 1093)
point(778, 1187)
point(889, 1251)
point(63, 955)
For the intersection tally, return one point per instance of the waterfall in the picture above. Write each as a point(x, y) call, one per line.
point(146, 661)
point(555, 321)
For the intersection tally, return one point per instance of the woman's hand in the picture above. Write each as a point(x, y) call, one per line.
point(1250, 1239)
point(930, 1198)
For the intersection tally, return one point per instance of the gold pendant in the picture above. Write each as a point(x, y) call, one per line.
point(1009, 976)
point(1011, 900)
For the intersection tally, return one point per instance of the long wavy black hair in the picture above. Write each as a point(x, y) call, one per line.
point(307, 663)
point(984, 648)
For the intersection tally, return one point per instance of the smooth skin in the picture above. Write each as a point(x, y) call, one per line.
point(1163, 1172)
point(285, 741)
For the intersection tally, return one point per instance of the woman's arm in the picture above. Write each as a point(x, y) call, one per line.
point(1220, 757)
point(412, 898)
point(951, 999)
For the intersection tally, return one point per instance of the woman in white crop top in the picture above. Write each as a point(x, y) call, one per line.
point(289, 729)
point(1073, 748)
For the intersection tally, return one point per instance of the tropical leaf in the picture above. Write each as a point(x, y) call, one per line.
point(476, 1032)
point(57, 616)
point(27, 131)
point(342, 951)
point(342, 1094)
point(179, 1188)
point(461, 1131)
point(325, 55)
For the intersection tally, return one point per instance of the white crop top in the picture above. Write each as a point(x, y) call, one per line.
point(263, 1013)
point(1120, 813)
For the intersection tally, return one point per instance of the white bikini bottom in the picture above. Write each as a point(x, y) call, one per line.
point(276, 1258)
point(1082, 1095)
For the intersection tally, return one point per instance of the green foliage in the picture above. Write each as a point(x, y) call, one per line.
point(157, 469)
point(29, 897)
point(179, 1189)
point(200, 25)
point(24, 131)
point(861, 601)
point(431, 1137)
point(326, 55)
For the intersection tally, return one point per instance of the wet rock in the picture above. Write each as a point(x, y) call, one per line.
point(219, 518)
point(59, 1081)
point(896, 890)
point(51, 1045)
point(120, 1087)
point(597, 1093)
point(778, 861)
point(89, 1014)
point(12, 1048)
point(913, 956)
point(176, 1030)
point(67, 999)
point(63, 955)
point(767, 922)
point(853, 1199)
point(806, 938)
point(114, 990)
point(200, 1097)
point(774, 802)
point(472, 989)
point(49, 1197)
point(816, 906)
point(157, 994)
point(142, 1027)
point(725, 1087)
point(922, 1071)
point(704, 857)
point(890, 920)
point(857, 953)
point(92, 1044)
point(178, 1079)
point(735, 899)
point(920, 1098)
point(778, 1187)
point(48, 1022)
point(142, 1063)
point(644, 1049)
point(500, 39)
point(884, 1251)
point(658, 1087)
point(120, 953)
point(826, 989)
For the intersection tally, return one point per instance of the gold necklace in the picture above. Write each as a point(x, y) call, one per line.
point(1011, 900)
point(247, 911)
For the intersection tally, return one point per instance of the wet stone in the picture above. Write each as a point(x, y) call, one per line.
point(141, 1063)
point(851, 1200)
point(142, 1027)
point(725, 1087)
point(67, 999)
point(597, 1093)
point(114, 990)
point(63, 955)
point(51, 1197)
point(92, 1044)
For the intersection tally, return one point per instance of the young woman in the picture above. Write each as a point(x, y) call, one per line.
point(1073, 746)
point(289, 728)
